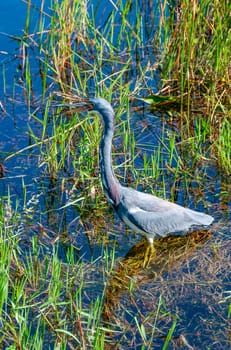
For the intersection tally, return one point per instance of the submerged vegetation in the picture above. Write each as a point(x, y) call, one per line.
point(63, 285)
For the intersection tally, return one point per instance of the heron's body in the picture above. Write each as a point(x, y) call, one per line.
point(155, 217)
point(145, 213)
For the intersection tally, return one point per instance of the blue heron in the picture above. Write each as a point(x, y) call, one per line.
point(146, 214)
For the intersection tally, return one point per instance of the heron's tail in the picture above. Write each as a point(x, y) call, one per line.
point(200, 218)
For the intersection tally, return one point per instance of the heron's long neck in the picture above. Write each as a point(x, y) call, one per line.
point(110, 183)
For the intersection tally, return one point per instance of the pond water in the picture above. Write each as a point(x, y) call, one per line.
point(192, 278)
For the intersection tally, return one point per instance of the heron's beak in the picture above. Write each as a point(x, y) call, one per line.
point(76, 106)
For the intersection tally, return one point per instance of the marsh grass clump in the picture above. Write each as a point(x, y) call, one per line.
point(198, 41)
point(196, 70)
point(42, 299)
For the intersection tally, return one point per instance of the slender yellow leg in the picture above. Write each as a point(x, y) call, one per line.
point(150, 251)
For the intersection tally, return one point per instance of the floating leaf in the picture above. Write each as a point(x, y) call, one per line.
point(157, 99)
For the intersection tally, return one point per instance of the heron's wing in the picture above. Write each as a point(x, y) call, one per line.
point(154, 215)
point(158, 224)
point(145, 201)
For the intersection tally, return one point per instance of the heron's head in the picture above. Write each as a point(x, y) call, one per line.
point(96, 104)
point(103, 107)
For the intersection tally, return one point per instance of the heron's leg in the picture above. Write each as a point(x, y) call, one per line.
point(149, 253)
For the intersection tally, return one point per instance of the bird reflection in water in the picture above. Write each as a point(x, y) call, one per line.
point(169, 252)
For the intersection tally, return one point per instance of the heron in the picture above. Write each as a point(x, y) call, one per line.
point(144, 213)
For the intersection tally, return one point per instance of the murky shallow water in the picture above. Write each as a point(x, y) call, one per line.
point(192, 280)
